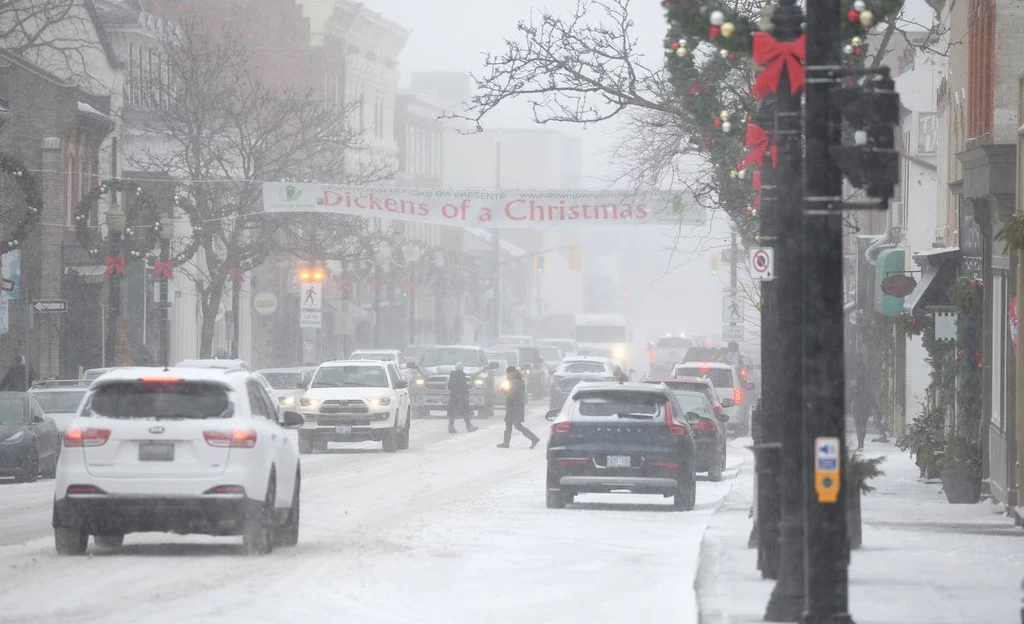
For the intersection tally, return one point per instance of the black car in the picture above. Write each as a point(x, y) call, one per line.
point(709, 432)
point(621, 437)
point(29, 441)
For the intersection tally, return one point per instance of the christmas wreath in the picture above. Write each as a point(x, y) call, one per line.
point(29, 187)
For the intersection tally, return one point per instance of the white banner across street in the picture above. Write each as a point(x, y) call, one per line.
point(505, 208)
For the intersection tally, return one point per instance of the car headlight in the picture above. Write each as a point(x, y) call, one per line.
point(420, 382)
point(310, 402)
point(379, 401)
point(14, 439)
point(479, 383)
point(506, 385)
point(619, 352)
point(288, 400)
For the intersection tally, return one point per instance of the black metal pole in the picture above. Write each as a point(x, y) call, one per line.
point(236, 315)
point(165, 306)
point(787, 600)
point(377, 285)
point(767, 447)
point(412, 305)
point(114, 300)
point(826, 547)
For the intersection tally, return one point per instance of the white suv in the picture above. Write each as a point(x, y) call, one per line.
point(177, 450)
point(729, 384)
point(355, 401)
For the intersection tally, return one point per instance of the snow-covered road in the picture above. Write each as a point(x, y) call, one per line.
point(453, 530)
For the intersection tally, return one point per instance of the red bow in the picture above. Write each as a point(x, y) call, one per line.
point(757, 180)
point(236, 275)
point(115, 264)
point(163, 270)
point(757, 139)
point(774, 55)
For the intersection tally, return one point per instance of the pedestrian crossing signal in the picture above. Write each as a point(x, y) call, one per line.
point(311, 274)
point(716, 263)
point(539, 264)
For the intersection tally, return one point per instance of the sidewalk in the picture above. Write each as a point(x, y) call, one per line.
point(923, 560)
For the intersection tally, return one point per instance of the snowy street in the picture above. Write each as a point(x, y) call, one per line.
point(453, 530)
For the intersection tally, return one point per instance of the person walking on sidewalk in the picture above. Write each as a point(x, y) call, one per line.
point(458, 399)
point(16, 379)
point(515, 408)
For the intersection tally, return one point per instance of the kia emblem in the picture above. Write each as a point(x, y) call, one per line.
point(156, 429)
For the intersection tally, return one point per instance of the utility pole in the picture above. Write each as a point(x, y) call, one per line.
point(767, 447)
point(115, 230)
point(496, 242)
point(787, 599)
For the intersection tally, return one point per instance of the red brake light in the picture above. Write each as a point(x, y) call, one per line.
point(161, 380)
point(674, 428)
point(561, 427)
point(664, 464)
point(566, 463)
point(704, 425)
point(226, 489)
point(743, 374)
point(237, 438)
point(737, 395)
point(76, 437)
point(84, 489)
point(704, 368)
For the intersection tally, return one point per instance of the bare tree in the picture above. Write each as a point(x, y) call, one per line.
point(224, 131)
point(55, 34)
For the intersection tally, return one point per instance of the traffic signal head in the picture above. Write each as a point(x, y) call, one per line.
point(539, 264)
point(872, 111)
point(575, 258)
point(715, 264)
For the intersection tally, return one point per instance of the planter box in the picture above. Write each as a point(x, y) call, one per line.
point(960, 486)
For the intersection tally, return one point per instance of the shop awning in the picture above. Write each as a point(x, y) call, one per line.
point(939, 267)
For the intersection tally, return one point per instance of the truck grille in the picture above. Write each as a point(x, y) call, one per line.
point(334, 421)
point(437, 383)
point(351, 406)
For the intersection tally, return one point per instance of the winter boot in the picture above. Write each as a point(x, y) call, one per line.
point(503, 445)
point(471, 427)
point(451, 429)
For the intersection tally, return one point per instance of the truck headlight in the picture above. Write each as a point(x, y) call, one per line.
point(478, 383)
point(420, 382)
point(14, 439)
point(379, 401)
point(288, 400)
point(310, 402)
point(619, 352)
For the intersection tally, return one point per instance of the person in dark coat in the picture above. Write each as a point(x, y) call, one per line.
point(515, 408)
point(619, 375)
point(458, 399)
point(16, 379)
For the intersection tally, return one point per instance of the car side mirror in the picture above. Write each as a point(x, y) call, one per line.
point(728, 402)
point(723, 418)
point(411, 365)
point(692, 416)
point(401, 384)
point(293, 420)
point(492, 366)
point(551, 415)
point(38, 419)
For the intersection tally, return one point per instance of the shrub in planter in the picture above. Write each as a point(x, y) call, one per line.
point(858, 472)
point(961, 470)
point(924, 440)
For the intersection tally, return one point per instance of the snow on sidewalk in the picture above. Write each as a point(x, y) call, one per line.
point(923, 560)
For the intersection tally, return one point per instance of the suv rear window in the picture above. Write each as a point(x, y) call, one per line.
point(192, 400)
point(645, 405)
point(583, 367)
point(675, 342)
point(720, 377)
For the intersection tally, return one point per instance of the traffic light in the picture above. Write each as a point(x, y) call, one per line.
point(575, 259)
point(539, 264)
point(311, 274)
point(872, 111)
point(716, 263)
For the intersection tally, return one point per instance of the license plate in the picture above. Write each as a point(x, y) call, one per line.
point(435, 401)
point(619, 461)
point(343, 429)
point(156, 451)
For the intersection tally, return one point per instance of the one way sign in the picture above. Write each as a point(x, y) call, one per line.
point(50, 305)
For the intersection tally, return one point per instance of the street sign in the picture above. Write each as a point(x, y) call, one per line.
point(312, 296)
point(732, 333)
point(50, 305)
point(7, 285)
point(310, 319)
point(265, 303)
point(732, 309)
point(761, 263)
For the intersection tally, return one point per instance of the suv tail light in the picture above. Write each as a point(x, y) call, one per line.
point(561, 427)
point(704, 425)
point(236, 438)
point(76, 437)
point(674, 428)
point(737, 395)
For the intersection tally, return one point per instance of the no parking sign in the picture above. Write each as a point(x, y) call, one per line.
point(761, 263)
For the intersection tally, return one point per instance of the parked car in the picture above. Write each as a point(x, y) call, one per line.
point(728, 383)
point(567, 345)
point(356, 401)
point(29, 441)
point(429, 389)
point(180, 450)
point(666, 352)
point(621, 437)
point(60, 399)
point(574, 370)
point(288, 383)
point(709, 433)
point(93, 374)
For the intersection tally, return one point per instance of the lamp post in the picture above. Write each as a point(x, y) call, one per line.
point(116, 223)
point(166, 234)
point(442, 323)
point(381, 265)
point(496, 244)
point(412, 256)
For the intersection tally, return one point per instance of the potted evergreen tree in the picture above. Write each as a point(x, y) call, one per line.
point(859, 471)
